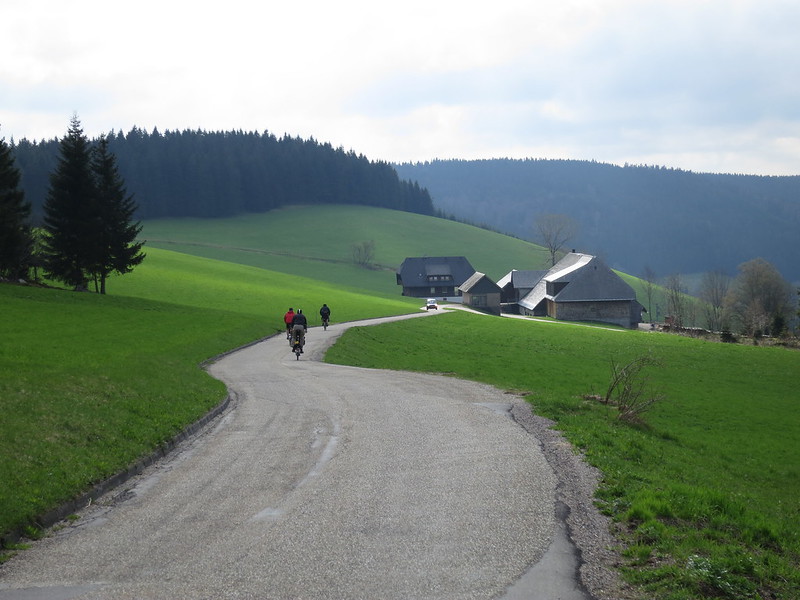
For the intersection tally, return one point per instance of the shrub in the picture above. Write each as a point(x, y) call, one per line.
point(628, 389)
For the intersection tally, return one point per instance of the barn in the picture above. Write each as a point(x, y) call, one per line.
point(581, 287)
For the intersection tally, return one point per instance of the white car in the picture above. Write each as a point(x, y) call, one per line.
point(431, 304)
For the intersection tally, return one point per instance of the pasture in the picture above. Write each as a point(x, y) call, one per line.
point(316, 242)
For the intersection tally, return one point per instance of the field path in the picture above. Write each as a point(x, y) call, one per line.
point(320, 481)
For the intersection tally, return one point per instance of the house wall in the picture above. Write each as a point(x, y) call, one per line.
point(489, 302)
point(617, 312)
point(509, 294)
point(538, 312)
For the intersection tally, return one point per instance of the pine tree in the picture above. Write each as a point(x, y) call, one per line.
point(119, 250)
point(16, 242)
point(71, 218)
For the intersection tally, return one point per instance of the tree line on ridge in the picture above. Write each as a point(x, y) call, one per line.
point(634, 216)
point(196, 173)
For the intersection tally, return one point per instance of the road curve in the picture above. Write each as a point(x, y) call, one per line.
point(321, 481)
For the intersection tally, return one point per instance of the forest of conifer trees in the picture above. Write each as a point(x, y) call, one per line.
point(217, 174)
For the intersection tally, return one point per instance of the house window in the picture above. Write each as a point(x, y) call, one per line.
point(479, 301)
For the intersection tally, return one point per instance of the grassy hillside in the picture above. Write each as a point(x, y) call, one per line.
point(316, 241)
point(262, 294)
point(709, 489)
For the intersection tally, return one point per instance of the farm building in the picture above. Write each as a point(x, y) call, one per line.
point(433, 276)
point(580, 287)
point(481, 292)
point(517, 284)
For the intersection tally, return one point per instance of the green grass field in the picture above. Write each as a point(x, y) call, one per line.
point(708, 490)
point(326, 235)
point(316, 241)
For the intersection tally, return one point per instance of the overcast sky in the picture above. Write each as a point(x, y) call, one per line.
point(699, 85)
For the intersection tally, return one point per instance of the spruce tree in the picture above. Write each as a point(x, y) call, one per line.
point(71, 218)
point(117, 237)
point(15, 233)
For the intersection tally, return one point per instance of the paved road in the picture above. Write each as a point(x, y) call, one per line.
point(321, 481)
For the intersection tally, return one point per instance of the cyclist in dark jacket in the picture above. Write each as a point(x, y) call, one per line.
point(299, 326)
point(325, 313)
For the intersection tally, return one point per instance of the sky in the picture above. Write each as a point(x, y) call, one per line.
point(706, 86)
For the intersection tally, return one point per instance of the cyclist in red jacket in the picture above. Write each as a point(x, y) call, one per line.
point(287, 319)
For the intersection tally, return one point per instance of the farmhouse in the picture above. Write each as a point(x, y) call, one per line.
point(517, 284)
point(481, 292)
point(580, 287)
point(433, 276)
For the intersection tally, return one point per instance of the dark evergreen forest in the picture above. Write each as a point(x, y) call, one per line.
point(635, 217)
point(219, 174)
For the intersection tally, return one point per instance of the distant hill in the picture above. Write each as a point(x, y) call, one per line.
point(268, 241)
point(224, 173)
point(316, 242)
point(671, 221)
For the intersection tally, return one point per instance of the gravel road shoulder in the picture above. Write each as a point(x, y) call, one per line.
point(589, 530)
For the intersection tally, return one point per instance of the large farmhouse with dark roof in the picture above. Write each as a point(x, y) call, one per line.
point(433, 276)
point(580, 287)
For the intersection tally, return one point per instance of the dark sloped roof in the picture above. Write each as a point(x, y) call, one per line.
point(595, 281)
point(414, 271)
point(587, 278)
point(438, 269)
point(526, 279)
point(521, 279)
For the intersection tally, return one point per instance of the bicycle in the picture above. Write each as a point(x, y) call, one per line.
point(325, 315)
point(297, 343)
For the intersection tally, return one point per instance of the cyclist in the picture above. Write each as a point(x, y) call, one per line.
point(325, 313)
point(299, 326)
point(287, 319)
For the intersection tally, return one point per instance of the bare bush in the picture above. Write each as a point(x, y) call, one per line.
point(363, 253)
point(629, 388)
point(554, 231)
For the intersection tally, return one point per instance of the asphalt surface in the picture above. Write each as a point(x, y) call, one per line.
point(323, 481)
